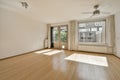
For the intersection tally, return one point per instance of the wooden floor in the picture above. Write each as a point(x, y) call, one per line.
point(36, 66)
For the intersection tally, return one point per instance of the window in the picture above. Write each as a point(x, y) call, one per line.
point(63, 34)
point(91, 32)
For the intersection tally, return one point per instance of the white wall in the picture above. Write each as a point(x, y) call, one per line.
point(19, 33)
point(117, 28)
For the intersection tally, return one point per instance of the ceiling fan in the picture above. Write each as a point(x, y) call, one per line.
point(96, 11)
point(24, 4)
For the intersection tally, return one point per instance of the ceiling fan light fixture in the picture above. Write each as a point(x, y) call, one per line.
point(96, 12)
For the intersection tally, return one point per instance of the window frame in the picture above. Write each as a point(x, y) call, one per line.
point(103, 43)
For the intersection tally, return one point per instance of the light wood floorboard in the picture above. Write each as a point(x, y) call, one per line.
point(34, 66)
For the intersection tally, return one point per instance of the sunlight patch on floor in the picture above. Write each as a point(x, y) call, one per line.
point(43, 51)
point(89, 59)
point(52, 52)
point(48, 52)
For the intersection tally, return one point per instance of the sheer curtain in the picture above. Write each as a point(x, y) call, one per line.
point(110, 33)
point(73, 35)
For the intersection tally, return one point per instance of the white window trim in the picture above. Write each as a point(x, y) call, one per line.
point(103, 43)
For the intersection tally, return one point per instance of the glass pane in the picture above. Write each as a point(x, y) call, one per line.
point(63, 34)
point(55, 34)
point(91, 31)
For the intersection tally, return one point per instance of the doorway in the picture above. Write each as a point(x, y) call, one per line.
point(59, 37)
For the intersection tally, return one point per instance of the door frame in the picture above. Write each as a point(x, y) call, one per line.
point(59, 41)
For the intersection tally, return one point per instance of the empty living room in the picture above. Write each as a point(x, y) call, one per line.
point(59, 40)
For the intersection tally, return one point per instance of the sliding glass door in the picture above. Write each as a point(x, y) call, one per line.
point(54, 37)
point(59, 37)
point(63, 37)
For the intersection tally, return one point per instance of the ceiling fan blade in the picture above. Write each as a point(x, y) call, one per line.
point(87, 12)
point(105, 13)
point(92, 15)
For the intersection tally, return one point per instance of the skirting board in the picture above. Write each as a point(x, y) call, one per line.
point(20, 54)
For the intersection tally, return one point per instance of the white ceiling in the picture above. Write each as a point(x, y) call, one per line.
point(53, 11)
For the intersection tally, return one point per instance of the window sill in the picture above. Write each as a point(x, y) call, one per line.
point(92, 44)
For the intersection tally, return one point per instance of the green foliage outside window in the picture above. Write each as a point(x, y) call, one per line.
point(63, 36)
